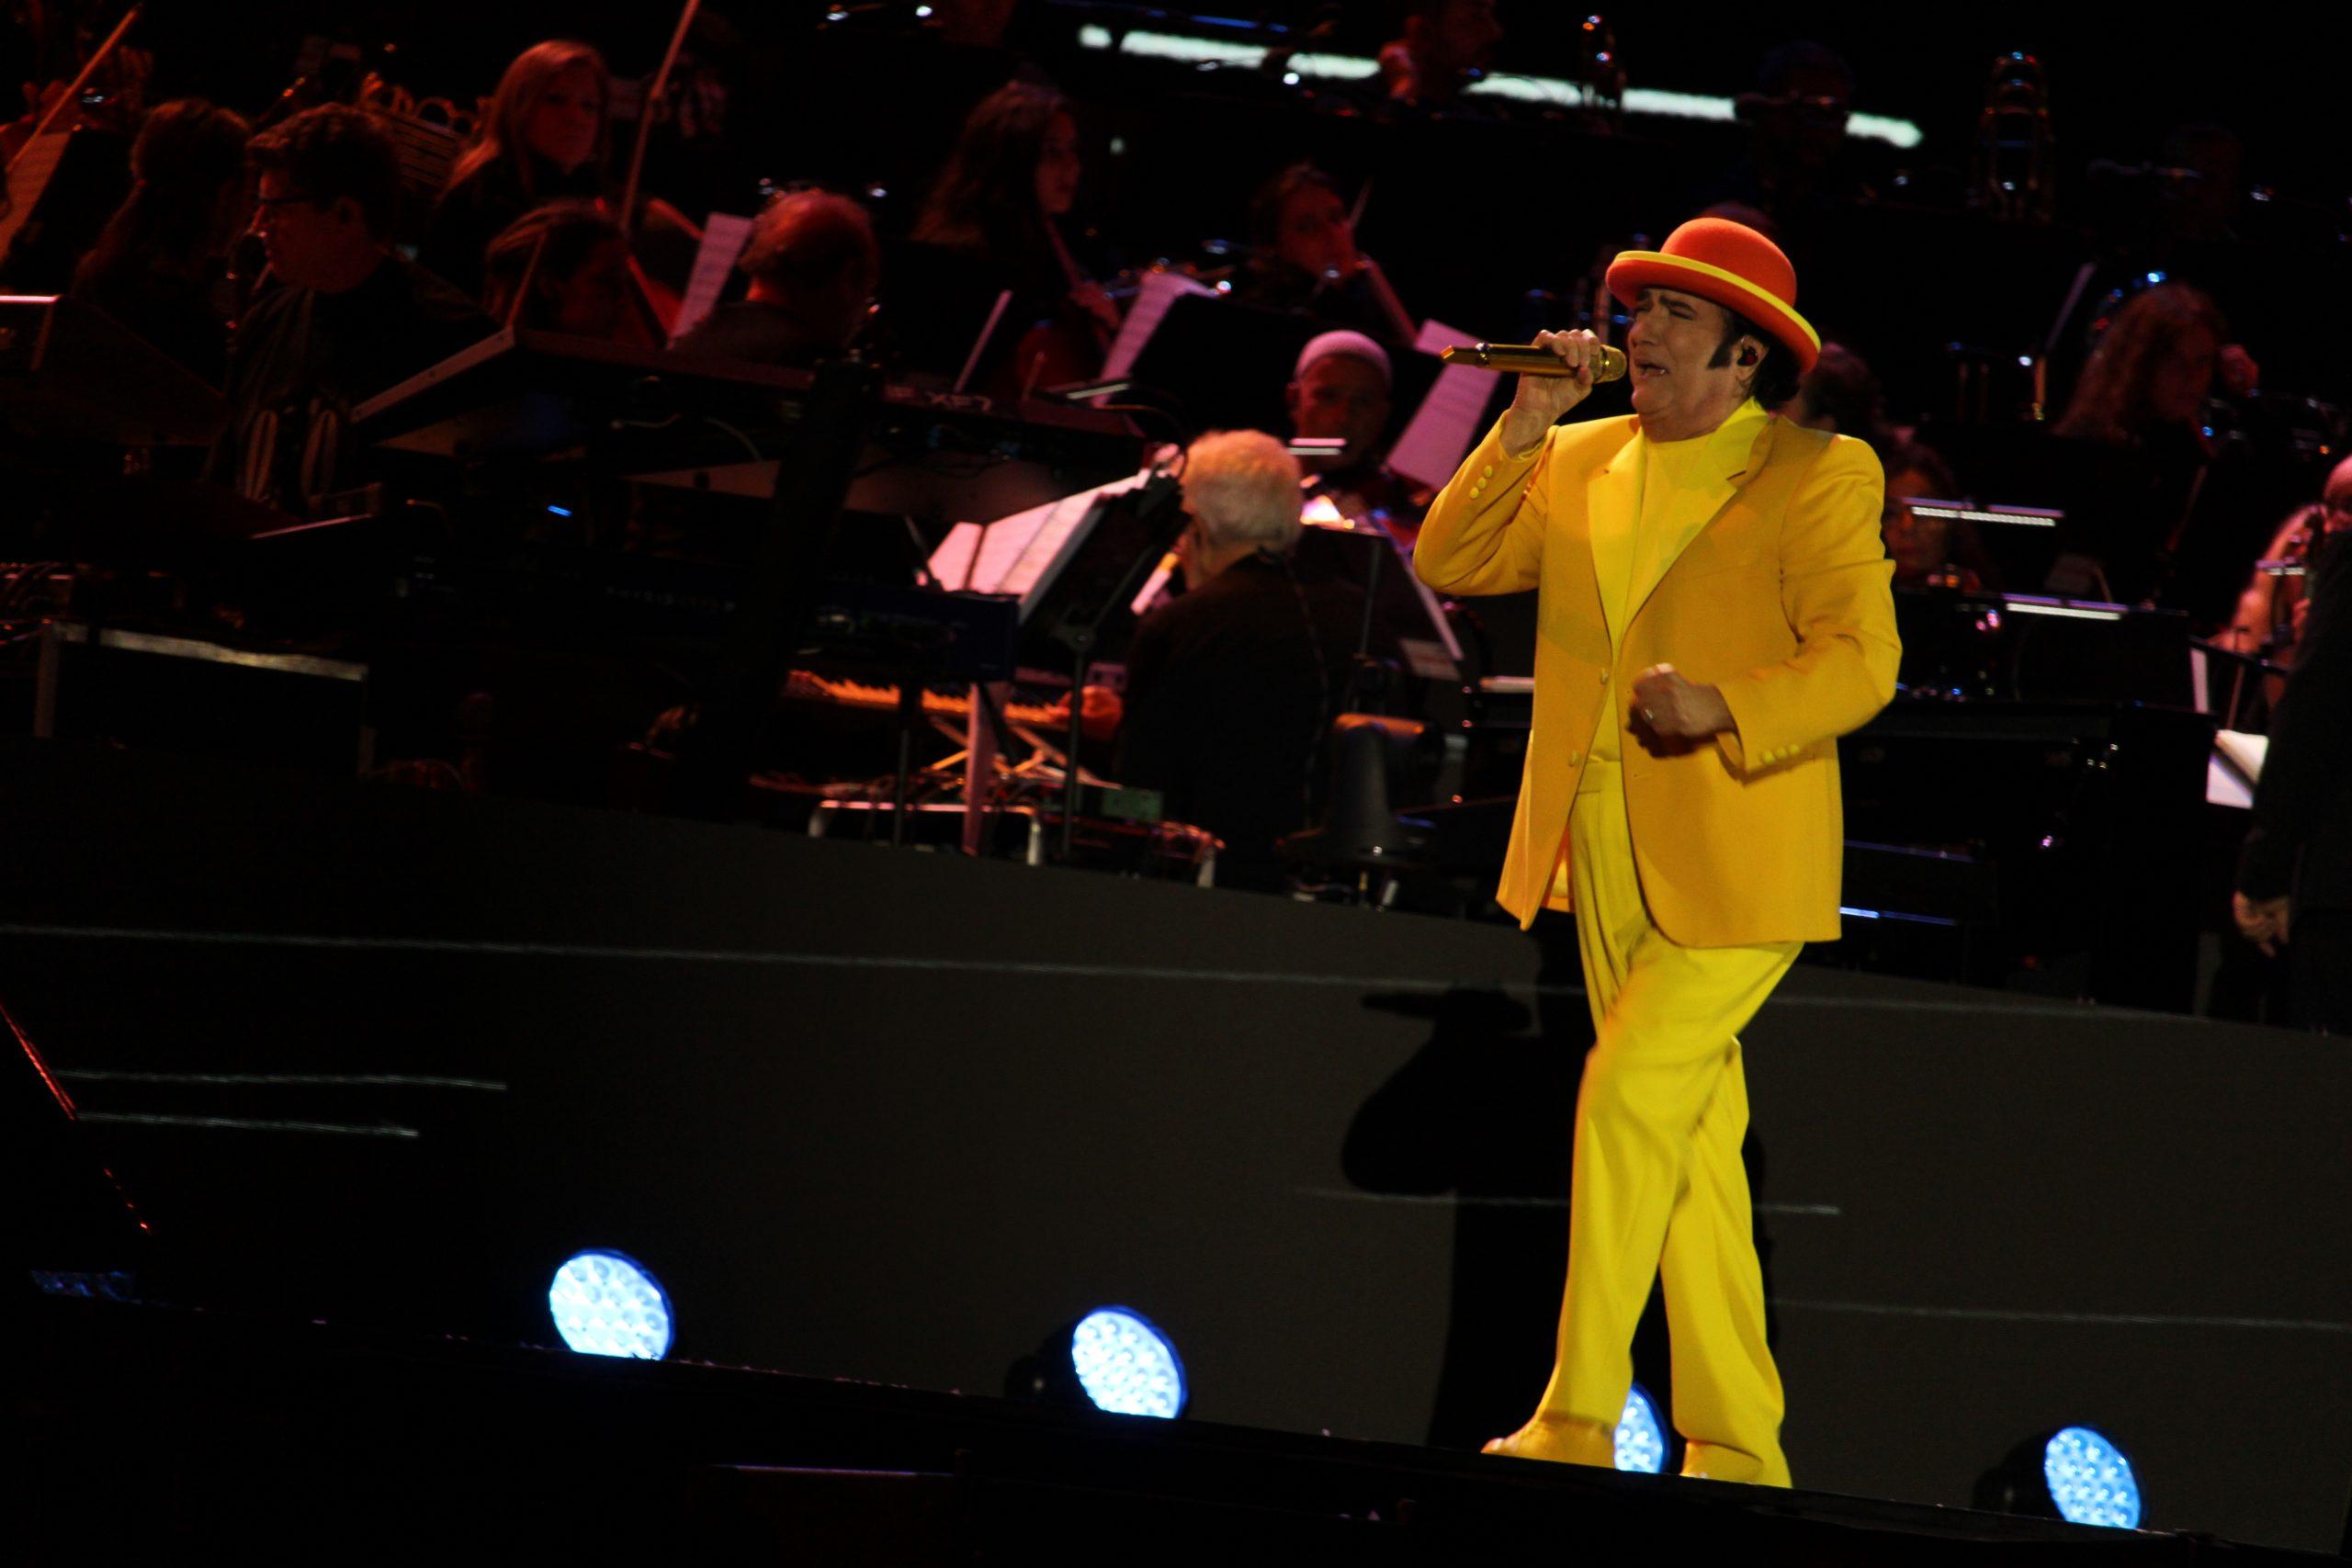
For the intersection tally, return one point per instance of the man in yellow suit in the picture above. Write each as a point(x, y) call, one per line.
point(1713, 612)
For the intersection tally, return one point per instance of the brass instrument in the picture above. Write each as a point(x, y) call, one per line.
point(2009, 174)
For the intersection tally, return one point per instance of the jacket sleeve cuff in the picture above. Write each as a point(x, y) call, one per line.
point(1748, 745)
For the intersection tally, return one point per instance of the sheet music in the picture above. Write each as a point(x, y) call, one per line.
point(1446, 425)
point(27, 177)
point(723, 242)
point(1014, 554)
point(1159, 291)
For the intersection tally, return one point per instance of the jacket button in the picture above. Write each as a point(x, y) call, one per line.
point(1488, 472)
point(1575, 759)
point(1604, 677)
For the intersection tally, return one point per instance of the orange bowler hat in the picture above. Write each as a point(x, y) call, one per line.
point(1730, 263)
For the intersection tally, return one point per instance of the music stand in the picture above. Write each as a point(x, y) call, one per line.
point(1076, 579)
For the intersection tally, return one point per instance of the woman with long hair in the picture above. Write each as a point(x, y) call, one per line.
point(545, 137)
point(2153, 367)
point(159, 264)
point(995, 214)
point(2151, 513)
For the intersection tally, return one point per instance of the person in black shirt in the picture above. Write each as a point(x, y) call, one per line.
point(1229, 686)
point(2294, 882)
point(159, 265)
point(547, 137)
point(350, 320)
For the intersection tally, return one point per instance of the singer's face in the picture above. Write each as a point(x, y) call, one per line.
point(1674, 338)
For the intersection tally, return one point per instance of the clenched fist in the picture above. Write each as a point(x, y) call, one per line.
point(1674, 709)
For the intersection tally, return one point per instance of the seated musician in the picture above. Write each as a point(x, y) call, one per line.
point(547, 136)
point(559, 268)
point(2151, 500)
point(1340, 391)
point(1304, 258)
point(350, 319)
point(1928, 552)
point(994, 224)
point(813, 266)
point(159, 265)
point(2271, 612)
point(1229, 686)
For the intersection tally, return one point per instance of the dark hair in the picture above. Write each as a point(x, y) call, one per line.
point(1271, 200)
point(985, 199)
point(1776, 378)
point(2110, 400)
point(329, 153)
point(189, 152)
point(808, 239)
point(1842, 387)
point(548, 245)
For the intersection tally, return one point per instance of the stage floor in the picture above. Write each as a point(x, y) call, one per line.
point(387, 1058)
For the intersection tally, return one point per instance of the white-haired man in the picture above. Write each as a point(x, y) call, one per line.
point(1229, 685)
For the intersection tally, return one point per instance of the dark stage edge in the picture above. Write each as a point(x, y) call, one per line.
point(158, 1431)
point(387, 1057)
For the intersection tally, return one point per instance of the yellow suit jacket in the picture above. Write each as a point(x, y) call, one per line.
point(1781, 599)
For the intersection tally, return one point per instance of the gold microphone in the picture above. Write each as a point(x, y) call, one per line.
point(1607, 362)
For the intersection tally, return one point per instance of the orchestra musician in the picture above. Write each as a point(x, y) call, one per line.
point(993, 224)
point(1714, 609)
point(2271, 612)
point(1340, 391)
point(2143, 483)
point(1229, 685)
point(350, 318)
point(562, 267)
point(159, 265)
point(1303, 259)
point(814, 266)
point(547, 136)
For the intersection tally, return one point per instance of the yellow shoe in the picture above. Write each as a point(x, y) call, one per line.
point(1712, 1461)
point(1565, 1439)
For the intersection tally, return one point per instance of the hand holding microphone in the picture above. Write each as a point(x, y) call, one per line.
point(1542, 397)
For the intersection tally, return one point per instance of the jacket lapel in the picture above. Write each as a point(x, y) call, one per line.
point(1709, 503)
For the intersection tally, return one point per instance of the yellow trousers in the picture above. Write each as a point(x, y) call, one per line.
point(1659, 1189)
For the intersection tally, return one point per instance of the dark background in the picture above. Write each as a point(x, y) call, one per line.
point(2119, 78)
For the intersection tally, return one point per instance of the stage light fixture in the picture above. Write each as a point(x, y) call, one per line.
point(1640, 1436)
point(607, 1303)
point(1126, 1364)
point(2090, 1480)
